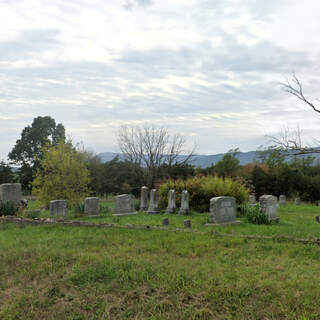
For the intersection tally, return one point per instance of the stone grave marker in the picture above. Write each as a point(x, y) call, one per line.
point(91, 206)
point(124, 205)
point(171, 202)
point(58, 208)
point(144, 198)
point(184, 209)
point(11, 192)
point(269, 206)
point(297, 201)
point(222, 211)
point(252, 199)
point(187, 223)
point(165, 222)
point(282, 200)
point(153, 204)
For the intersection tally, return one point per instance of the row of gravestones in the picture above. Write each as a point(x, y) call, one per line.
point(282, 200)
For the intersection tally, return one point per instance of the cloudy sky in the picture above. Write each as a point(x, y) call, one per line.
point(207, 69)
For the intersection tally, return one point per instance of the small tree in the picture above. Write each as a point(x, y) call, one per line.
point(62, 174)
point(228, 165)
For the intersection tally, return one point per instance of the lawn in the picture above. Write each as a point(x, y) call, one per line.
point(60, 272)
point(295, 221)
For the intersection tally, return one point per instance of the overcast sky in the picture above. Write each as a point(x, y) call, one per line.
point(207, 69)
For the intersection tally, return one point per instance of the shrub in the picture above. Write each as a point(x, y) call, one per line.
point(254, 215)
point(202, 189)
point(8, 208)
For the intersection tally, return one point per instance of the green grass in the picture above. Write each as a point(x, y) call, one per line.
point(57, 272)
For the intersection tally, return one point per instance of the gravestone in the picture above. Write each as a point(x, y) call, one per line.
point(269, 206)
point(165, 222)
point(124, 205)
point(318, 203)
point(297, 201)
point(153, 204)
point(171, 202)
point(91, 206)
point(11, 192)
point(184, 209)
point(282, 200)
point(144, 198)
point(222, 211)
point(252, 199)
point(58, 208)
point(187, 223)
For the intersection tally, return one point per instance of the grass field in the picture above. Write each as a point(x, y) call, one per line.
point(57, 272)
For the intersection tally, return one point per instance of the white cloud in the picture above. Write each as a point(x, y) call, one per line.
point(206, 69)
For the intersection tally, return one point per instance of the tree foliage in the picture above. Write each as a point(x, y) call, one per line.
point(27, 151)
point(228, 165)
point(6, 175)
point(62, 174)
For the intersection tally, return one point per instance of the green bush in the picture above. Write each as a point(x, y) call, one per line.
point(8, 208)
point(202, 189)
point(254, 215)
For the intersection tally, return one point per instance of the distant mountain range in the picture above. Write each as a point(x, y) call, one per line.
point(202, 161)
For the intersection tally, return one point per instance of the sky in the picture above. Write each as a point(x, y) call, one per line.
point(209, 70)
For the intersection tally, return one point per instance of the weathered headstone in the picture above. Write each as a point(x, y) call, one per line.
point(223, 210)
point(58, 208)
point(11, 192)
point(171, 202)
point(297, 201)
point(124, 205)
point(153, 204)
point(184, 209)
point(144, 198)
point(282, 200)
point(252, 199)
point(318, 203)
point(187, 223)
point(165, 222)
point(91, 206)
point(269, 206)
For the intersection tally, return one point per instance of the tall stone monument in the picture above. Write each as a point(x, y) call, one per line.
point(269, 206)
point(58, 208)
point(222, 211)
point(153, 204)
point(91, 206)
point(11, 192)
point(171, 202)
point(124, 205)
point(144, 198)
point(184, 209)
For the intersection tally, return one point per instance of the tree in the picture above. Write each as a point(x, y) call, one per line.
point(152, 147)
point(288, 140)
point(6, 175)
point(27, 151)
point(62, 174)
point(228, 165)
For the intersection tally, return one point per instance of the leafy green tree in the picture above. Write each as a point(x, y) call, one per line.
point(27, 152)
point(272, 156)
point(62, 174)
point(228, 165)
point(6, 175)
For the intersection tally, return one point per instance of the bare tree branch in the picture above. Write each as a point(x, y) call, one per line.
point(294, 87)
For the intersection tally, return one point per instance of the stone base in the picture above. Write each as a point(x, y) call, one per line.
point(124, 214)
point(153, 212)
point(222, 224)
point(169, 211)
point(92, 215)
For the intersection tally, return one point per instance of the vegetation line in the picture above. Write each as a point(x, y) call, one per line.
point(77, 223)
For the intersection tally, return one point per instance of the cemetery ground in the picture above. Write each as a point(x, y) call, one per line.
point(61, 272)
